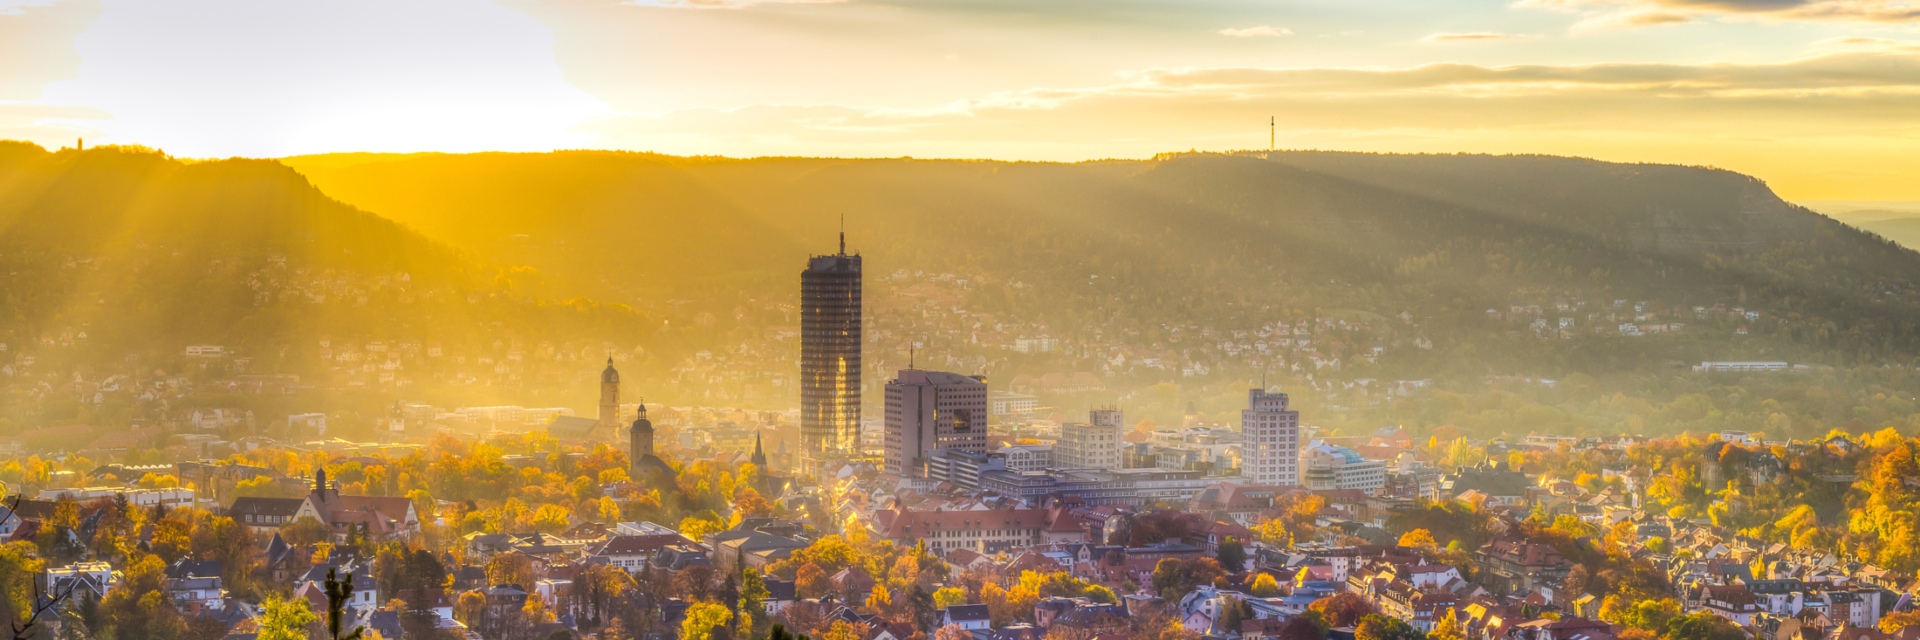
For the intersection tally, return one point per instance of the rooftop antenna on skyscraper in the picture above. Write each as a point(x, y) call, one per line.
point(843, 234)
point(1270, 130)
point(909, 356)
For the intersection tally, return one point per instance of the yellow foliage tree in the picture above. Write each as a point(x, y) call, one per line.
point(702, 617)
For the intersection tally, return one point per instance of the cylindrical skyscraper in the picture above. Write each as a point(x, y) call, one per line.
point(830, 353)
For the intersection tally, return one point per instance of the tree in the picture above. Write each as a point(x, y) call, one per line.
point(843, 630)
point(1301, 628)
point(695, 582)
point(1166, 575)
point(511, 567)
point(282, 619)
point(920, 610)
point(1894, 622)
point(811, 581)
point(1378, 627)
point(952, 632)
point(1233, 612)
point(131, 614)
point(702, 617)
point(698, 527)
point(753, 606)
point(1344, 609)
point(880, 601)
point(553, 518)
point(471, 606)
point(1264, 586)
point(1000, 611)
point(338, 592)
point(305, 531)
point(1232, 556)
point(1703, 626)
point(949, 596)
point(1449, 627)
point(1419, 538)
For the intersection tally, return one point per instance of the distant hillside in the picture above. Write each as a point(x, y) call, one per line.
point(1233, 239)
point(1897, 221)
point(115, 252)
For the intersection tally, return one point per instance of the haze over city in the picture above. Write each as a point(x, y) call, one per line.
point(959, 320)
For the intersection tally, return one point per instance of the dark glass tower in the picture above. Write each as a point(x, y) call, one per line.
point(830, 353)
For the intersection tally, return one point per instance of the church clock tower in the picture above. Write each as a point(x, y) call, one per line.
point(609, 424)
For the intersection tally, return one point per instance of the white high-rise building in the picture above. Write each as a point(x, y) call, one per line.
point(1090, 445)
point(1269, 440)
point(929, 410)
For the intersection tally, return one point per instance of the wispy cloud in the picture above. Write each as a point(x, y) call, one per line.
point(1255, 32)
point(721, 4)
point(1856, 93)
point(1858, 43)
point(1599, 14)
point(1462, 37)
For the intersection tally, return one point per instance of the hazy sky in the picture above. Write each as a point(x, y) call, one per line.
point(1819, 97)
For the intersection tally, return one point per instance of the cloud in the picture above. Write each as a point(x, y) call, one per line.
point(1632, 19)
point(721, 4)
point(36, 38)
point(1859, 93)
point(223, 77)
point(1641, 13)
point(1457, 37)
point(1858, 43)
point(1255, 32)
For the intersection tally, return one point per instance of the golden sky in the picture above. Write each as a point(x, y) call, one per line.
point(1821, 98)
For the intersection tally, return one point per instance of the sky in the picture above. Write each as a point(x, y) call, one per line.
point(1820, 98)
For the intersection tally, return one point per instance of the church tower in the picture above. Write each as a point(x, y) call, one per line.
point(641, 445)
point(640, 451)
point(609, 402)
point(759, 456)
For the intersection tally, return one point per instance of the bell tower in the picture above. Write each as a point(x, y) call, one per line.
point(609, 424)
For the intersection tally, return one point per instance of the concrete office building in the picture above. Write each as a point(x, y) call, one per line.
point(1090, 445)
point(1335, 467)
point(1269, 440)
point(929, 410)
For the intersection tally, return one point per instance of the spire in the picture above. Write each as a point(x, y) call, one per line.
point(759, 456)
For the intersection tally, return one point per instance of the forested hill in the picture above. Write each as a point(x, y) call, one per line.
point(1230, 240)
point(112, 254)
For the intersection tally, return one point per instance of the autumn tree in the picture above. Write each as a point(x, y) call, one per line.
point(949, 597)
point(511, 567)
point(1449, 627)
point(811, 581)
point(702, 619)
point(1374, 626)
point(1343, 609)
point(753, 606)
point(282, 619)
point(1264, 586)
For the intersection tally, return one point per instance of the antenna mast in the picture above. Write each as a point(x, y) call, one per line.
point(1270, 129)
point(843, 234)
